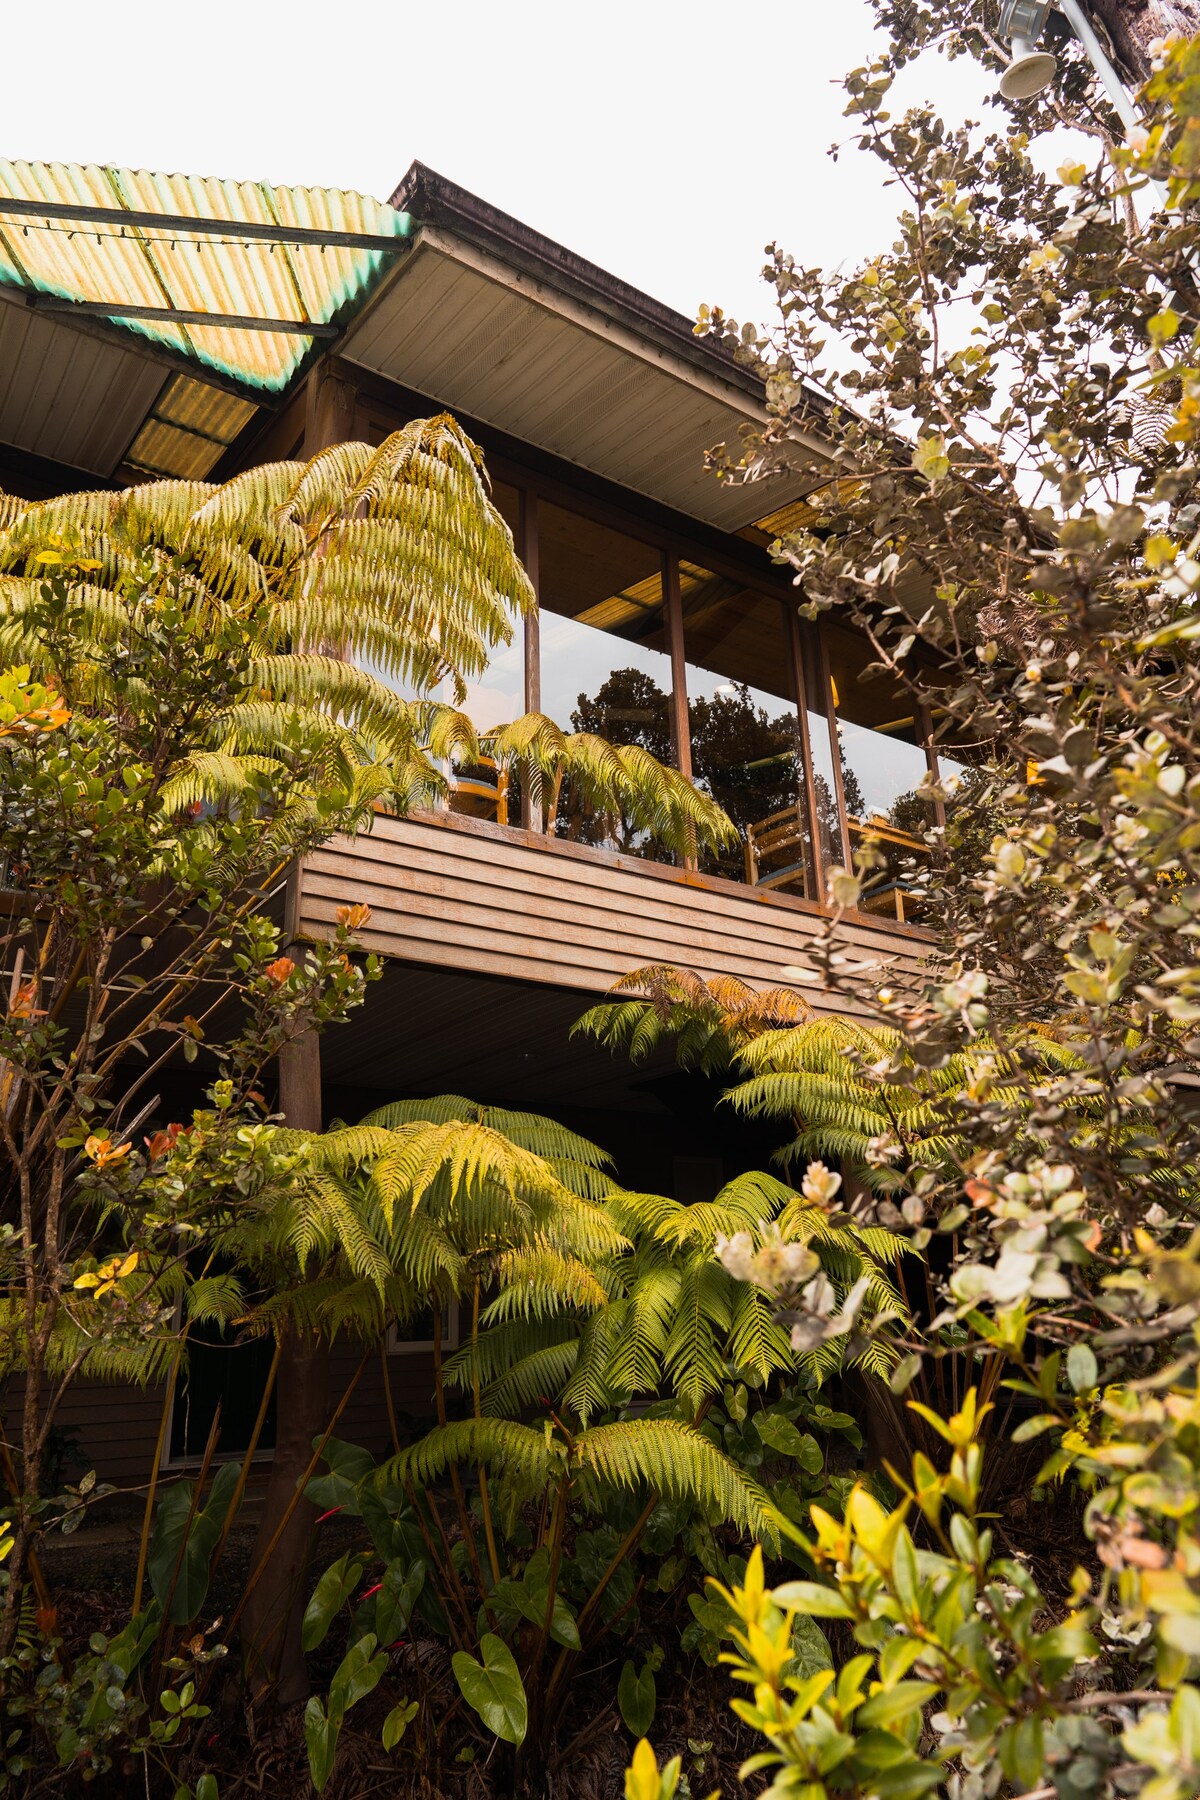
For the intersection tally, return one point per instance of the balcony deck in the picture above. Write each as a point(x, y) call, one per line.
point(458, 893)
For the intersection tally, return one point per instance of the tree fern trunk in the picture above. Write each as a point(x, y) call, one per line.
point(1133, 25)
point(271, 1622)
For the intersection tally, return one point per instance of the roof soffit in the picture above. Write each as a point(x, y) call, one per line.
point(458, 323)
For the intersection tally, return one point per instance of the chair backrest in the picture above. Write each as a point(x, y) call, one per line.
point(475, 783)
point(783, 830)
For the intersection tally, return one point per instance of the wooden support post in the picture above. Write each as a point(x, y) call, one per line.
point(532, 817)
point(329, 413)
point(274, 1658)
point(815, 882)
point(529, 556)
point(681, 729)
point(835, 745)
point(925, 727)
point(300, 1083)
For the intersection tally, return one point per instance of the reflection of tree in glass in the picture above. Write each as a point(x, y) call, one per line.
point(748, 762)
point(903, 870)
point(856, 801)
point(629, 708)
point(829, 833)
point(910, 812)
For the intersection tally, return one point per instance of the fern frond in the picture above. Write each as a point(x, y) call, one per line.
point(693, 1355)
point(677, 1461)
point(499, 1443)
point(539, 1281)
point(757, 1341)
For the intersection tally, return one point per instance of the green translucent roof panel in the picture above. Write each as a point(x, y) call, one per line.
point(117, 260)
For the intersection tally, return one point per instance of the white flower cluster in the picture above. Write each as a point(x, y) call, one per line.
point(820, 1184)
point(775, 1266)
point(1038, 1217)
point(817, 1321)
point(793, 1270)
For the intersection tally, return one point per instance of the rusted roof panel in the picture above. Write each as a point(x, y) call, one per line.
point(189, 429)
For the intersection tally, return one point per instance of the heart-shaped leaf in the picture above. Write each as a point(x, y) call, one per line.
point(329, 1596)
point(181, 1549)
point(493, 1687)
point(398, 1722)
point(780, 1435)
point(355, 1676)
point(320, 1739)
point(637, 1698)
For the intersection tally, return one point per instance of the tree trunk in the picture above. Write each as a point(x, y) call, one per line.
point(271, 1622)
point(271, 1649)
point(1133, 25)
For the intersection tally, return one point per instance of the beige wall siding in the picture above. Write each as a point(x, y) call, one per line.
point(114, 1429)
point(465, 894)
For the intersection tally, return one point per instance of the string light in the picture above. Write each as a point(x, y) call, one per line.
point(229, 243)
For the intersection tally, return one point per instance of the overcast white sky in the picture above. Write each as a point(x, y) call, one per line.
point(639, 133)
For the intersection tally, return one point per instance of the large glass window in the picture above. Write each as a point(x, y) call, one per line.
point(495, 697)
point(971, 775)
point(227, 1373)
point(605, 660)
point(883, 764)
point(806, 754)
point(747, 750)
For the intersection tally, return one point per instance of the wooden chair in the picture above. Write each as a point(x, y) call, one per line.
point(890, 895)
point(478, 797)
point(781, 833)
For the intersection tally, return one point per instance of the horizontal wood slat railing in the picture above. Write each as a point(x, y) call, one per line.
point(453, 892)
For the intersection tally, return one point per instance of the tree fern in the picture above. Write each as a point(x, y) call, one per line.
point(364, 569)
point(693, 1354)
point(757, 1341)
point(538, 1280)
point(709, 1022)
point(515, 1367)
point(664, 1456)
point(640, 1325)
point(590, 1388)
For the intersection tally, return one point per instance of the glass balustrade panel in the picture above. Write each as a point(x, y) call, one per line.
point(747, 747)
point(884, 767)
point(605, 665)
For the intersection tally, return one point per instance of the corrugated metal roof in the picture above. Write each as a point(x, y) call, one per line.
point(167, 267)
point(799, 515)
point(191, 425)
